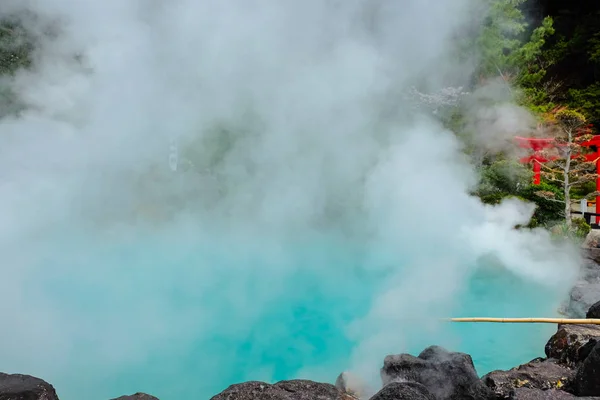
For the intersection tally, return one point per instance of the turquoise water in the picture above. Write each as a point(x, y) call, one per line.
point(180, 314)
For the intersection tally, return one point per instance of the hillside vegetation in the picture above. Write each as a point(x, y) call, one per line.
point(544, 55)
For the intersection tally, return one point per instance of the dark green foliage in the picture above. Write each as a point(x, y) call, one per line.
point(508, 48)
point(504, 179)
point(580, 227)
point(580, 191)
point(577, 232)
point(15, 53)
point(15, 47)
point(500, 37)
point(549, 208)
point(570, 118)
point(587, 100)
point(571, 58)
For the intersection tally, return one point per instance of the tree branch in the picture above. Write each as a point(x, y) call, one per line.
point(548, 196)
point(503, 78)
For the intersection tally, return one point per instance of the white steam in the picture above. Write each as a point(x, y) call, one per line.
point(302, 172)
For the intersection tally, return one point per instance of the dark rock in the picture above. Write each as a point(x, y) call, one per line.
point(536, 374)
point(403, 391)
point(538, 394)
point(567, 345)
point(25, 387)
point(137, 396)
point(586, 349)
point(591, 247)
point(447, 375)
point(592, 254)
point(309, 390)
point(587, 381)
point(284, 390)
point(585, 291)
point(590, 271)
point(252, 391)
point(593, 311)
point(583, 295)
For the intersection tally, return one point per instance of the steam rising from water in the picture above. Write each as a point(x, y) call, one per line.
point(303, 194)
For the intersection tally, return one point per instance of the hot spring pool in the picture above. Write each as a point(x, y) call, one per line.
point(186, 316)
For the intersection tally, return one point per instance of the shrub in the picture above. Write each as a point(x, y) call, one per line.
point(503, 176)
point(550, 207)
point(503, 179)
point(577, 232)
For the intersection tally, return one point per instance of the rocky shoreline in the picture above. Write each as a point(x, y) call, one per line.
point(570, 370)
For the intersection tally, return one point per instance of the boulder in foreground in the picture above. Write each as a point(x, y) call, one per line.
point(447, 375)
point(587, 381)
point(571, 343)
point(538, 394)
point(403, 391)
point(536, 374)
point(284, 390)
point(25, 387)
point(594, 311)
point(582, 296)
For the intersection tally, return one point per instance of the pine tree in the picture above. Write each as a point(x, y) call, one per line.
point(570, 130)
point(505, 49)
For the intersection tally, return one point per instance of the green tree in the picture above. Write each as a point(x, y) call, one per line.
point(571, 169)
point(15, 47)
point(507, 49)
point(15, 53)
point(570, 58)
point(504, 178)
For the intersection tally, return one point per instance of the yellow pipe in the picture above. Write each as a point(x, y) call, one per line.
point(531, 320)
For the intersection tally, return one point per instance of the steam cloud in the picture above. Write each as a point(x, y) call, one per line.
point(304, 182)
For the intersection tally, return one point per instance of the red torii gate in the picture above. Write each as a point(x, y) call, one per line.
point(594, 144)
point(537, 145)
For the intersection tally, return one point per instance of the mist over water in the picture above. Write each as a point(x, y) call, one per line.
point(296, 237)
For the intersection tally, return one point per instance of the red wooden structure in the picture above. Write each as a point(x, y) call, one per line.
point(537, 145)
point(594, 144)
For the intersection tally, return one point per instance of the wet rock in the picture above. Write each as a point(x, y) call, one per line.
point(587, 381)
point(586, 349)
point(583, 295)
point(567, 345)
point(137, 396)
point(25, 387)
point(538, 394)
point(536, 374)
point(590, 271)
point(351, 384)
point(284, 390)
point(403, 391)
point(447, 375)
point(594, 311)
